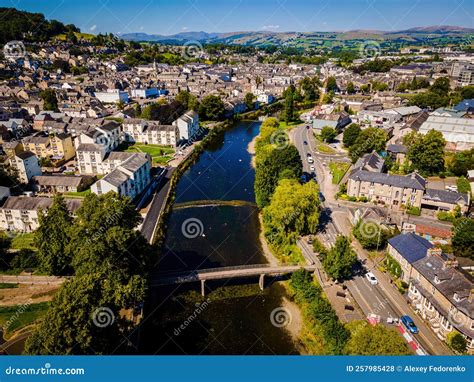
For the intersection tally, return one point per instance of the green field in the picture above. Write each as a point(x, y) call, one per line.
point(80, 195)
point(338, 170)
point(16, 317)
point(159, 154)
point(23, 241)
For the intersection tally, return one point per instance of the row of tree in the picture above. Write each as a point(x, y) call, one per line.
point(108, 259)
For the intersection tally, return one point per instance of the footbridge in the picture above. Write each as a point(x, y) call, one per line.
point(202, 275)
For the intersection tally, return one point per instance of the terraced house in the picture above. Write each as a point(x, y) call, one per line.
point(438, 289)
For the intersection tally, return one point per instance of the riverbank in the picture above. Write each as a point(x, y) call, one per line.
point(251, 151)
point(267, 252)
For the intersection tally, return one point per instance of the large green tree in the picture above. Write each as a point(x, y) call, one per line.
point(212, 108)
point(370, 139)
point(50, 102)
point(351, 133)
point(462, 162)
point(426, 152)
point(463, 237)
point(277, 164)
point(328, 133)
point(53, 237)
point(340, 259)
point(374, 340)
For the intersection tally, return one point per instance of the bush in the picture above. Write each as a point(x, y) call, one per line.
point(410, 210)
point(456, 341)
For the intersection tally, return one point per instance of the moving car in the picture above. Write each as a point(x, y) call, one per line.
point(321, 196)
point(310, 160)
point(409, 324)
point(305, 143)
point(312, 168)
point(371, 278)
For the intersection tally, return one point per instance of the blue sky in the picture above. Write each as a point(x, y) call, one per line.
point(169, 17)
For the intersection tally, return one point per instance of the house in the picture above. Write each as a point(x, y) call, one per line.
point(58, 146)
point(107, 135)
point(129, 178)
point(465, 105)
point(150, 132)
point(27, 165)
point(397, 153)
point(21, 213)
point(188, 125)
point(394, 191)
point(444, 200)
point(371, 162)
point(458, 132)
point(12, 148)
point(335, 120)
point(90, 157)
point(53, 184)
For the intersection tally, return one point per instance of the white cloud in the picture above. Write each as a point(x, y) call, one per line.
point(93, 28)
point(270, 27)
point(184, 28)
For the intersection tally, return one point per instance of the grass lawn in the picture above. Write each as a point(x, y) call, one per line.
point(159, 154)
point(8, 286)
point(284, 125)
point(338, 170)
point(81, 194)
point(16, 317)
point(23, 241)
point(325, 149)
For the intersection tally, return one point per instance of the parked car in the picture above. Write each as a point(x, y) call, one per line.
point(321, 196)
point(312, 168)
point(409, 324)
point(305, 143)
point(310, 240)
point(310, 160)
point(371, 278)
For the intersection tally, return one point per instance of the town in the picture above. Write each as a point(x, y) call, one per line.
point(362, 174)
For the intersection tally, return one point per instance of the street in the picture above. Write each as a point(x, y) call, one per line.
point(382, 299)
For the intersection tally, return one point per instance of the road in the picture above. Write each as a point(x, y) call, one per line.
point(382, 299)
point(32, 279)
point(156, 207)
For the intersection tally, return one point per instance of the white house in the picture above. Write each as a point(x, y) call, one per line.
point(27, 165)
point(188, 125)
point(150, 132)
point(129, 178)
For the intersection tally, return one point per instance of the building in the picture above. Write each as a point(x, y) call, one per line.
point(394, 191)
point(336, 120)
point(129, 178)
point(441, 292)
point(112, 96)
point(150, 132)
point(443, 200)
point(21, 213)
point(107, 135)
point(188, 125)
point(58, 146)
point(27, 165)
point(458, 132)
point(53, 184)
point(370, 162)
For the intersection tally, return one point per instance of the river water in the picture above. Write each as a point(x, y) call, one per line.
point(235, 316)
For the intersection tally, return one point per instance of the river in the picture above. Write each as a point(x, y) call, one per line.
point(235, 317)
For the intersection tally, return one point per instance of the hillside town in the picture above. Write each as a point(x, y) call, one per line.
point(387, 137)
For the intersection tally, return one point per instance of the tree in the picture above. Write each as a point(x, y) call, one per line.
point(52, 238)
point(50, 102)
point(370, 235)
point(212, 108)
point(456, 341)
point(340, 259)
point(188, 100)
point(279, 161)
point(328, 133)
point(71, 37)
point(350, 88)
point(440, 86)
point(370, 139)
point(331, 85)
point(138, 110)
point(351, 133)
point(426, 152)
point(288, 113)
point(310, 88)
point(463, 237)
point(462, 162)
point(249, 101)
point(374, 340)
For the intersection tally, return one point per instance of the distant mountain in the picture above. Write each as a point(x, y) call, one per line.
point(256, 38)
